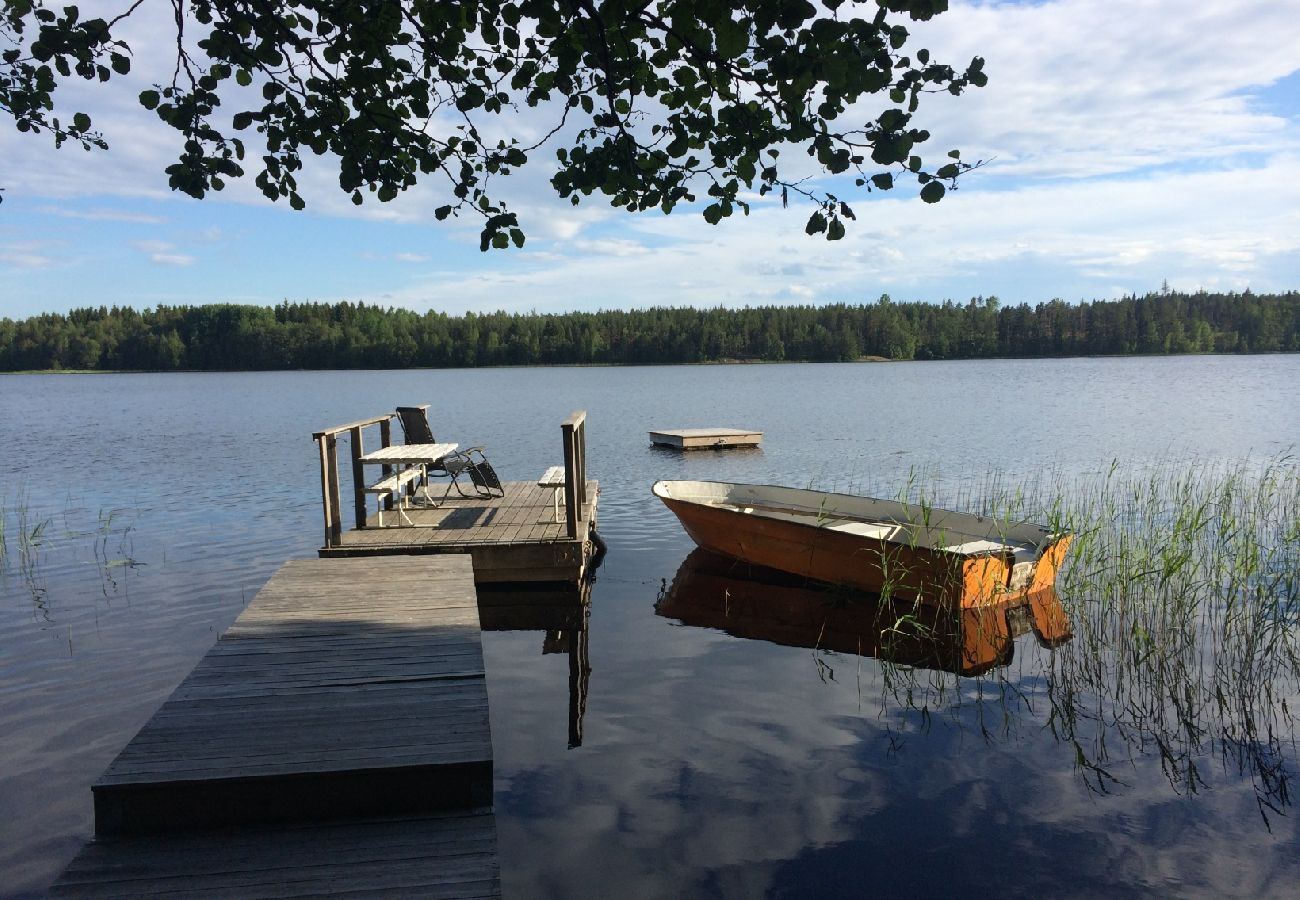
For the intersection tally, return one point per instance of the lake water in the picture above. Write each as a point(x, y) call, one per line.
point(143, 511)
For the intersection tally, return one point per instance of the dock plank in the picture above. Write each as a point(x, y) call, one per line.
point(347, 686)
point(452, 855)
point(510, 538)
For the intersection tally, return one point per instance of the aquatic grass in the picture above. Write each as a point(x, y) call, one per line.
point(1183, 590)
point(40, 543)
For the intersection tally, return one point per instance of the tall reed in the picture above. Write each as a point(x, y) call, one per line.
point(1183, 588)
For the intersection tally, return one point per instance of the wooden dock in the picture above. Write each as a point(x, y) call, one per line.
point(514, 538)
point(444, 855)
point(705, 438)
point(537, 532)
point(347, 693)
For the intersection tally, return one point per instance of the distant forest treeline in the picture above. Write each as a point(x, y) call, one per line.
point(356, 335)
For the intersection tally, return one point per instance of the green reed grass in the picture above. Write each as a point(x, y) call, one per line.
point(1183, 590)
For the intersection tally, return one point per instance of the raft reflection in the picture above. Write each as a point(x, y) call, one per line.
point(562, 613)
point(711, 591)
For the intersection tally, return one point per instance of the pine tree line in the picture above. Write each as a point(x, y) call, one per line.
point(223, 337)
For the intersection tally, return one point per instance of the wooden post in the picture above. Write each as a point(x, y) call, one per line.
point(575, 469)
point(331, 495)
point(325, 490)
point(333, 514)
point(358, 475)
point(386, 440)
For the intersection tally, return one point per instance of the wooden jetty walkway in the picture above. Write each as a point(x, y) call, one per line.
point(540, 530)
point(335, 740)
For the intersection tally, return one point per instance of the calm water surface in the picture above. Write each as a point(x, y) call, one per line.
point(143, 511)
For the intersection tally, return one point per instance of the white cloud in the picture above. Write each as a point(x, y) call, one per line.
point(1129, 147)
point(172, 259)
point(163, 253)
point(26, 256)
point(103, 215)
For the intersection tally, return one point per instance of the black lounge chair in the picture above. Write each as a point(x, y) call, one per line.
point(471, 461)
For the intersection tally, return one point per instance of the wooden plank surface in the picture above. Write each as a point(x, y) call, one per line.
point(349, 676)
point(511, 538)
point(702, 438)
point(442, 855)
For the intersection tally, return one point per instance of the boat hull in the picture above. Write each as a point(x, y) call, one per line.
point(890, 568)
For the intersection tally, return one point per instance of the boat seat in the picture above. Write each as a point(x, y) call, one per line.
point(877, 530)
point(971, 548)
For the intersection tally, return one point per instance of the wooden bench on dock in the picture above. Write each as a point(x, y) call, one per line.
point(553, 478)
point(391, 487)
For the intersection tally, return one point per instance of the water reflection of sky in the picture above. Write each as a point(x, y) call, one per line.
point(719, 766)
point(710, 765)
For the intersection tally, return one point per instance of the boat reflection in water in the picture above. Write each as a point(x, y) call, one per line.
point(562, 613)
point(711, 591)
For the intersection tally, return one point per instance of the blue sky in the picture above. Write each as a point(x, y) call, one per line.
point(1160, 143)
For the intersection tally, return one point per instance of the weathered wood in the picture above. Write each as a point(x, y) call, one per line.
point(574, 431)
point(450, 855)
point(358, 476)
point(516, 521)
point(335, 510)
point(360, 423)
point(332, 529)
point(386, 440)
point(345, 688)
point(511, 538)
point(705, 438)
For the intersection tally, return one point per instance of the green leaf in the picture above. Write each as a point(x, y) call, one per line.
point(884, 181)
point(816, 224)
point(149, 99)
point(836, 230)
point(932, 192)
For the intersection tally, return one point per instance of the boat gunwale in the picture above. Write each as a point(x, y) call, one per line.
point(1039, 547)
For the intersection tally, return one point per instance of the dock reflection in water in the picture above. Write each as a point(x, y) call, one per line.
point(711, 591)
point(562, 612)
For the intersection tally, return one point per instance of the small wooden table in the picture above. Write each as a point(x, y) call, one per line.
point(405, 458)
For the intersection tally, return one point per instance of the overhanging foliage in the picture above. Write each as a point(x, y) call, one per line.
point(650, 104)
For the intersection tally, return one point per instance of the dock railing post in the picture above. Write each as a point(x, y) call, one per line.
point(358, 476)
point(331, 494)
point(574, 430)
point(329, 488)
point(386, 440)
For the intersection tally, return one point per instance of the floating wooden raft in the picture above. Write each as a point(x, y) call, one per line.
point(705, 438)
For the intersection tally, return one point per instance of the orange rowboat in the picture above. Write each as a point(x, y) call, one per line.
point(931, 555)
